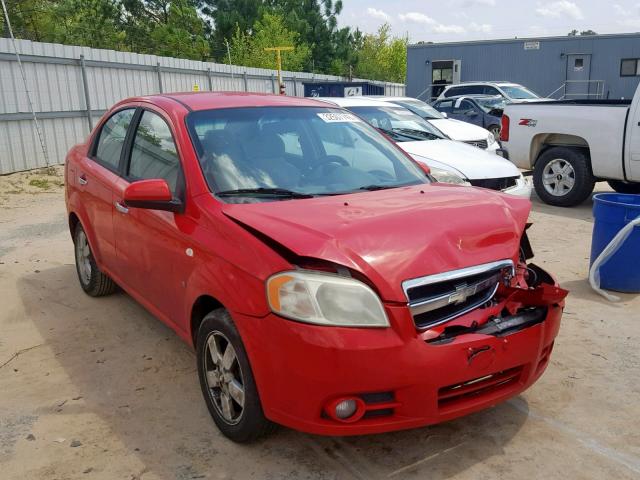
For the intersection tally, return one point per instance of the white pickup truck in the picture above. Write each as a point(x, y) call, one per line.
point(572, 144)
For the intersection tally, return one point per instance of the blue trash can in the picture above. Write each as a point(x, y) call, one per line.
point(612, 211)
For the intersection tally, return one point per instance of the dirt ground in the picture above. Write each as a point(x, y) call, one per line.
point(99, 389)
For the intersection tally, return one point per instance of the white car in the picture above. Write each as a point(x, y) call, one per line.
point(454, 129)
point(512, 92)
point(449, 161)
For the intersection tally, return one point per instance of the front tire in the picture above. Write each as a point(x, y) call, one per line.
point(562, 177)
point(624, 187)
point(227, 381)
point(93, 281)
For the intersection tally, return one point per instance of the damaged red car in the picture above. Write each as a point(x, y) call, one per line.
point(326, 282)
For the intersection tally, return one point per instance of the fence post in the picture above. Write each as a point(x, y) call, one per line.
point(85, 86)
point(159, 77)
point(246, 81)
point(295, 86)
point(210, 81)
point(273, 83)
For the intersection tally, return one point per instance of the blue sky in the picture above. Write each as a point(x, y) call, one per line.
point(459, 20)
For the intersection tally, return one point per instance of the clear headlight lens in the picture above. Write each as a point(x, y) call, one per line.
point(448, 176)
point(325, 299)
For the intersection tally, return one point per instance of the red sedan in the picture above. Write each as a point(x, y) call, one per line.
point(326, 282)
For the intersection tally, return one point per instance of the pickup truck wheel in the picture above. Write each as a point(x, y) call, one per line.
point(562, 177)
point(92, 280)
point(227, 380)
point(624, 187)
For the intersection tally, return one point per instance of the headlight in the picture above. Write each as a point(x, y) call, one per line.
point(325, 299)
point(448, 176)
point(491, 139)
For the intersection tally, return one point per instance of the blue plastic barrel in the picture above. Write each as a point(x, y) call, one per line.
point(612, 211)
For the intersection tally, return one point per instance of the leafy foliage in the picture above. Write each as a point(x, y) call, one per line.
point(269, 31)
point(212, 29)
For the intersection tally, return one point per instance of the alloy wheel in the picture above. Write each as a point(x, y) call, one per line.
point(558, 177)
point(83, 257)
point(224, 378)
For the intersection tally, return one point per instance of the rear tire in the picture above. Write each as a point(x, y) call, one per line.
point(495, 130)
point(227, 381)
point(624, 187)
point(92, 280)
point(562, 177)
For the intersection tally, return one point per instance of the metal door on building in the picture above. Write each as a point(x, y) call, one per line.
point(578, 76)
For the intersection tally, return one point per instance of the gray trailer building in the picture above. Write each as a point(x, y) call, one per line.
point(598, 66)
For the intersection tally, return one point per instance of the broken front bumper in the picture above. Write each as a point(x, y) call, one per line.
point(404, 378)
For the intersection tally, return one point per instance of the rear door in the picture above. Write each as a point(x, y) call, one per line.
point(95, 179)
point(152, 250)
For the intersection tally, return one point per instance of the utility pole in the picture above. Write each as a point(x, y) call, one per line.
point(279, 62)
point(229, 55)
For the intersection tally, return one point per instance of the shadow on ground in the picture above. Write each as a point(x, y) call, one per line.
point(140, 380)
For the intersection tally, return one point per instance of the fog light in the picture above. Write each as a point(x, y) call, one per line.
point(346, 408)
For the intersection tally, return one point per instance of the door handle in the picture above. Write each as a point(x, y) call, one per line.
point(82, 180)
point(121, 208)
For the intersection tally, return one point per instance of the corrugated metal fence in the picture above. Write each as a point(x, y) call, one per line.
point(71, 87)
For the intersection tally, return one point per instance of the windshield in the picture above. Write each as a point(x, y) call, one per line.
point(267, 153)
point(398, 122)
point(490, 104)
point(420, 108)
point(520, 93)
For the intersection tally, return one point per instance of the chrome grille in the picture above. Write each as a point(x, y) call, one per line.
point(440, 298)
point(478, 143)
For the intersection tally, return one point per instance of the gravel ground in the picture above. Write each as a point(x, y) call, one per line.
point(99, 389)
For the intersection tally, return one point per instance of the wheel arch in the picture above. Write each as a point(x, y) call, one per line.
point(544, 141)
point(203, 305)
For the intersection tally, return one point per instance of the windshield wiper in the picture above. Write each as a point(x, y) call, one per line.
point(371, 188)
point(411, 131)
point(275, 192)
point(395, 134)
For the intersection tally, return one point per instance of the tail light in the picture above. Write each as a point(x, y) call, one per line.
point(504, 128)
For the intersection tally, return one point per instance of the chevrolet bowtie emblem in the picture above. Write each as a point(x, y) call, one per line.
point(462, 292)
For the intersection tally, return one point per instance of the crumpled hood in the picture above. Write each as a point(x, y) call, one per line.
point(459, 130)
point(396, 234)
point(471, 161)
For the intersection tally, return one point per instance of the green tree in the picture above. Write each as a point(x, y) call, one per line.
point(269, 31)
point(383, 57)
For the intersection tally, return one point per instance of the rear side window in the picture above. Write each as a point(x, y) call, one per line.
point(491, 91)
point(112, 138)
point(445, 105)
point(154, 153)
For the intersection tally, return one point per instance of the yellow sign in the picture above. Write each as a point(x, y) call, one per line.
point(196, 87)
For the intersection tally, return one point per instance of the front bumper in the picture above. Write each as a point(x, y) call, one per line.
point(300, 368)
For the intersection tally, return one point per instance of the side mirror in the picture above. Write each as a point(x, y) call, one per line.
point(153, 194)
point(444, 114)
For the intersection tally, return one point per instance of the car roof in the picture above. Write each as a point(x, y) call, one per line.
point(472, 97)
point(195, 101)
point(499, 83)
point(354, 101)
